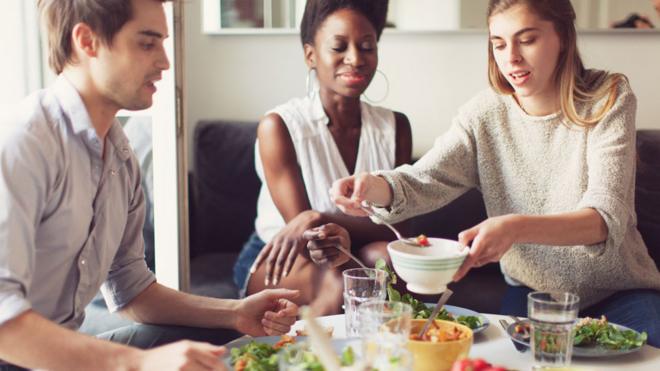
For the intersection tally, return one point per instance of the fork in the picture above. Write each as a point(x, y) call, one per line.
point(517, 320)
point(519, 347)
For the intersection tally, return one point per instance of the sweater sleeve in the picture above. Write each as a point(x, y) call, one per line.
point(611, 169)
point(444, 173)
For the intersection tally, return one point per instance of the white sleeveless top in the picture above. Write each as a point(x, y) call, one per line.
point(319, 158)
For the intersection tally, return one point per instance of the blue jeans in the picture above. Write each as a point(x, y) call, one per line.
point(246, 258)
point(638, 309)
point(11, 368)
point(149, 336)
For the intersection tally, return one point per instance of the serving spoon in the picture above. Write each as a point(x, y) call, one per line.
point(366, 206)
point(443, 299)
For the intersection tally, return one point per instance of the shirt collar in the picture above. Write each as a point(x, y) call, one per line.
point(72, 104)
point(75, 109)
point(319, 115)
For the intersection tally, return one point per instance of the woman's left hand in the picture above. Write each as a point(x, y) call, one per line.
point(281, 252)
point(491, 239)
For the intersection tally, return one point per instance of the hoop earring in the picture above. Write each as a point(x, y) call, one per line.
point(387, 89)
point(311, 83)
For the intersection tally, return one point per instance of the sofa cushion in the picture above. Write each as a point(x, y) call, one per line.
point(647, 191)
point(224, 186)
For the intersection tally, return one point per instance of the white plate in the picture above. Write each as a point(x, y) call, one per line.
point(591, 351)
point(460, 311)
point(337, 344)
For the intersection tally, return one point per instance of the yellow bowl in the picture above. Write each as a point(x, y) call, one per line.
point(438, 356)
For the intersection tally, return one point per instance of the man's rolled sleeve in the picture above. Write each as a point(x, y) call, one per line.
point(12, 302)
point(129, 274)
point(24, 173)
point(123, 286)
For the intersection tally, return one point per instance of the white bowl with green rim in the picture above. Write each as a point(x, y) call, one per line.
point(427, 270)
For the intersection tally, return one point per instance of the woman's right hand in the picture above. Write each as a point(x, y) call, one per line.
point(281, 252)
point(325, 242)
point(348, 193)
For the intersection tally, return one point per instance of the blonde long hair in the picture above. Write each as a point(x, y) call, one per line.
point(576, 83)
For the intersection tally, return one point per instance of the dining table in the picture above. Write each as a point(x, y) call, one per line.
point(494, 345)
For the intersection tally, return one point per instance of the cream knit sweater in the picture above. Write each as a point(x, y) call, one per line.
point(531, 165)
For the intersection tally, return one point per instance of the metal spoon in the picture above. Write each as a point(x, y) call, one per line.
point(519, 347)
point(443, 299)
point(366, 206)
point(350, 255)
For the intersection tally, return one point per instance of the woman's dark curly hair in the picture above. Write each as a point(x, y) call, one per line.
point(316, 11)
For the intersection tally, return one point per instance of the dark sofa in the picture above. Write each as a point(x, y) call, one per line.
point(223, 196)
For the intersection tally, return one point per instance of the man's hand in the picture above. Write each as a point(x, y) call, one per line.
point(268, 312)
point(325, 242)
point(183, 355)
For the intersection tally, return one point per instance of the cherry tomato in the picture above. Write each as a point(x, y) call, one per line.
point(423, 240)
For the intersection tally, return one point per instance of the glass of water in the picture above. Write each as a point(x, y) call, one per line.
point(360, 286)
point(388, 321)
point(552, 316)
point(385, 329)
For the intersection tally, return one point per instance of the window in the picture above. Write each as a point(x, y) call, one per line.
point(26, 70)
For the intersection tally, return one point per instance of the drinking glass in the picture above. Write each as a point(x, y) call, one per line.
point(386, 321)
point(552, 317)
point(385, 329)
point(360, 286)
point(292, 357)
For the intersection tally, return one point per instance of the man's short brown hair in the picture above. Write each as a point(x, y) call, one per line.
point(105, 17)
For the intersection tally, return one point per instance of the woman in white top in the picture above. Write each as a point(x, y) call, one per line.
point(552, 148)
point(306, 144)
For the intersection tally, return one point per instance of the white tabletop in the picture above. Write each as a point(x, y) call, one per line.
point(495, 347)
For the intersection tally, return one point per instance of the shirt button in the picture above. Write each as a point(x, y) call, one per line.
point(83, 262)
point(113, 172)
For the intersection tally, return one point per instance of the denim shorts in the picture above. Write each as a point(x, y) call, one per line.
point(246, 258)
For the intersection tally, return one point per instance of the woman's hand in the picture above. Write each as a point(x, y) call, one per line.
point(281, 252)
point(348, 193)
point(491, 239)
point(324, 242)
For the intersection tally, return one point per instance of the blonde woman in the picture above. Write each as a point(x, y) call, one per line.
point(551, 146)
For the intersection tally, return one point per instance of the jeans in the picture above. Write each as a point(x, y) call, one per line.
point(150, 336)
point(638, 309)
point(11, 368)
point(246, 258)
